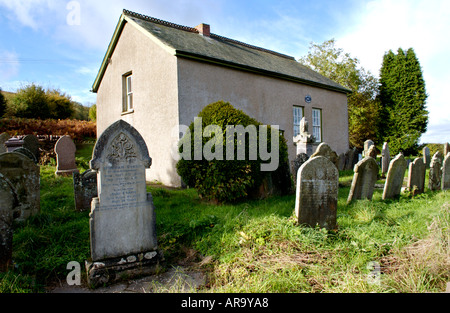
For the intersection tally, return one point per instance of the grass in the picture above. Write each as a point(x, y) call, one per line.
point(256, 246)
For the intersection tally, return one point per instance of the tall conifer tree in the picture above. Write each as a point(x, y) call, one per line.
point(403, 98)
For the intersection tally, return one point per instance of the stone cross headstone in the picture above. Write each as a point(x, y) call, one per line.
point(435, 174)
point(367, 144)
point(426, 157)
point(364, 179)
point(324, 150)
point(394, 178)
point(31, 142)
point(446, 173)
point(4, 137)
point(8, 201)
point(23, 174)
point(416, 176)
point(317, 193)
point(65, 156)
point(385, 159)
point(85, 189)
point(122, 219)
point(305, 141)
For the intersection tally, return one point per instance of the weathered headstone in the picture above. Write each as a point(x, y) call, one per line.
point(364, 179)
point(324, 150)
point(435, 174)
point(416, 177)
point(85, 189)
point(367, 144)
point(31, 142)
point(394, 178)
point(385, 159)
point(23, 174)
point(341, 162)
point(351, 158)
point(65, 156)
point(317, 193)
point(122, 219)
point(426, 157)
point(4, 137)
point(27, 153)
point(446, 173)
point(372, 152)
point(298, 161)
point(8, 201)
point(446, 148)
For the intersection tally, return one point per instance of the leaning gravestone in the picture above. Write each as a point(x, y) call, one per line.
point(85, 189)
point(364, 179)
point(4, 137)
point(394, 178)
point(416, 176)
point(385, 159)
point(324, 150)
point(65, 156)
point(122, 219)
point(426, 157)
point(8, 201)
point(31, 142)
point(435, 174)
point(446, 173)
point(446, 148)
point(23, 174)
point(317, 193)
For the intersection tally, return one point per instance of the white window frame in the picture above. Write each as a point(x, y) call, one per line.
point(127, 82)
point(317, 124)
point(298, 113)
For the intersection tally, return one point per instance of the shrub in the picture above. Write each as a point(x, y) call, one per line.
point(2, 103)
point(229, 180)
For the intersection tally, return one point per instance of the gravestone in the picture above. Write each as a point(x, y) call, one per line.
point(8, 201)
point(317, 193)
point(435, 174)
point(65, 156)
point(385, 159)
point(372, 152)
point(426, 157)
point(446, 148)
point(27, 153)
point(4, 137)
point(31, 142)
point(351, 158)
point(446, 173)
point(305, 141)
point(298, 161)
point(367, 144)
point(364, 179)
point(85, 189)
point(341, 162)
point(416, 177)
point(324, 150)
point(13, 144)
point(23, 174)
point(122, 219)
point(394, 178)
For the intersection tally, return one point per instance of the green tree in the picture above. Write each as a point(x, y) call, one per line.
point(93, 112)
point(60, 104)
point(2, 103)
point(403, 99)
point(363, 108)
point(30, 102)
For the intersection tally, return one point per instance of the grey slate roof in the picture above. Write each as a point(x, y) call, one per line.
point(188, 43)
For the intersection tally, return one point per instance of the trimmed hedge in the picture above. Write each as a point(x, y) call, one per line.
point(230, 180)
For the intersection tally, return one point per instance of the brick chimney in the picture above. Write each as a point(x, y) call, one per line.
point(203, 29)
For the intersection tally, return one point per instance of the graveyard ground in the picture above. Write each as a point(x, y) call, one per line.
point(398, 245)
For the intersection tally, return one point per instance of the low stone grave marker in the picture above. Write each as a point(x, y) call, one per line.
point(122, 219)
point(317, 193)
point(394, 178)
point(416, 177)
point(385, 159)
point(65, 156)
point(364, 179)
point(435, 174)
point(85, 189)
point(31, 143)
point(325, 150)
point(426, 157)
point(446, 173)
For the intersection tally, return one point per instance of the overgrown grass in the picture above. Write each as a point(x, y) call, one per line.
point(256, 246)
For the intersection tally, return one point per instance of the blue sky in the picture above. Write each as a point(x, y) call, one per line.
point(61, 43)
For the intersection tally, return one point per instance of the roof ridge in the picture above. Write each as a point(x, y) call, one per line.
point(194, 30)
